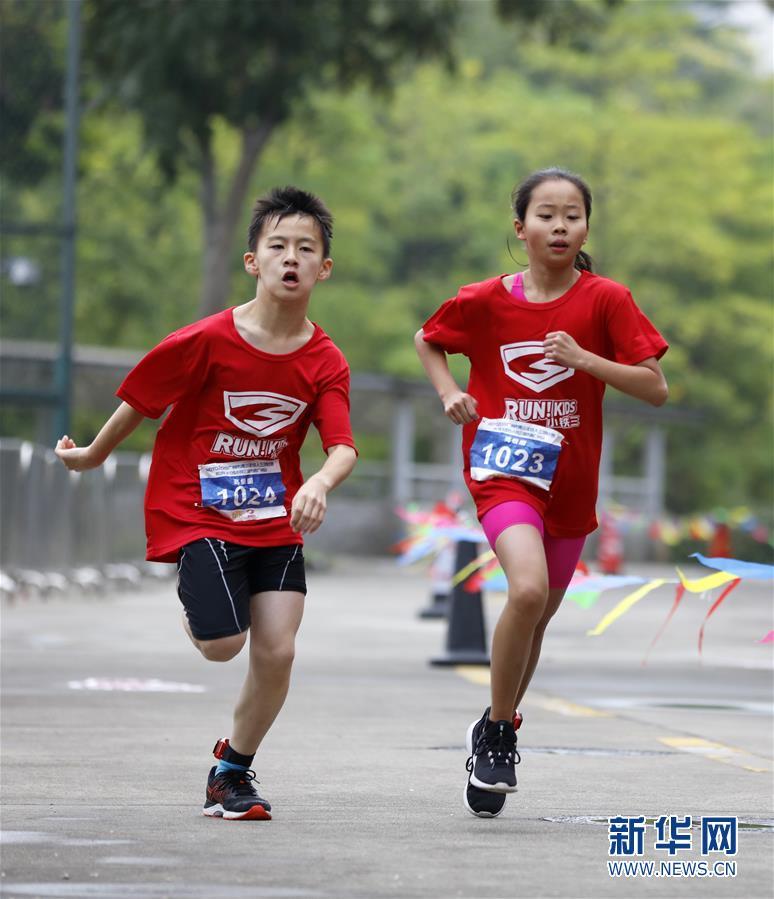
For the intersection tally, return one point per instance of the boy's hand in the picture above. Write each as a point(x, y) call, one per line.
point(460, 407)
point(308, 508)
point(74, 457)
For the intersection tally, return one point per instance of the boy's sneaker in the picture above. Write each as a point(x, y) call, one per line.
point(231, 795)
point(485, 803)
point(492, 748)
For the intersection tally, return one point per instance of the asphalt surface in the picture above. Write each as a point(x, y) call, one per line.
point(109, 716)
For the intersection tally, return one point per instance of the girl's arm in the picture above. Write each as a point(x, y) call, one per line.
point(459, 406)
point(310, 503)
point(645, 381)
point(117, 428)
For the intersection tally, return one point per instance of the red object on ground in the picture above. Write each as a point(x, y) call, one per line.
point(610, 551)
point(720, 544)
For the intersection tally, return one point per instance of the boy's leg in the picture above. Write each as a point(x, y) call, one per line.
point(274, 621)
point(213, 587)
point(277, 589)
point(222, 649)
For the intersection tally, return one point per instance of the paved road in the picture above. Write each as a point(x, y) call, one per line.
point(102, 789)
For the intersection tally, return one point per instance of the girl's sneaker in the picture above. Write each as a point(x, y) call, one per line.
point(483, 803)
point(493, 755)
point(231, 795)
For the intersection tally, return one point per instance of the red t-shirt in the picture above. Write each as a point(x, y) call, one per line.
point(226, 458)
point(511, 378)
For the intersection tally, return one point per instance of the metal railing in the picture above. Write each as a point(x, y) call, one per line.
point(54, 520)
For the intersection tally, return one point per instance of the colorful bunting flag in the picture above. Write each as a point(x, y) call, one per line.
point(431, 532)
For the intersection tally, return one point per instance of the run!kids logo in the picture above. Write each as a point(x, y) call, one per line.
point(537, 376)
point(261, 414)
point(550, 413)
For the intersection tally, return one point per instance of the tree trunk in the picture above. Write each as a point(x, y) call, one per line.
point(221, 219)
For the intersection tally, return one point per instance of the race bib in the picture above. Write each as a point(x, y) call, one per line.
point(243, 491)
point(504, 448)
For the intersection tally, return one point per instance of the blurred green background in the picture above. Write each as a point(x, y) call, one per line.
point(413, 121)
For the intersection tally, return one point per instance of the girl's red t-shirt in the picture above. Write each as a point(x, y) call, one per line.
point(511, 378)
point(226, 458)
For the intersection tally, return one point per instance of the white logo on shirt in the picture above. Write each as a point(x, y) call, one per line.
point(261, 412)
point(561, 414)
point(538, 376)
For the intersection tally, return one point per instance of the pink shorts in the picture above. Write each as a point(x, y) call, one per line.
point(562, 553)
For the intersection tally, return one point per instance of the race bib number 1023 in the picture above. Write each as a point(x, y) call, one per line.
point(243, 491)
point(503, 448)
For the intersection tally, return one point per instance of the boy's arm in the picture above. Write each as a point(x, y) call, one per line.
point(645, 381)
point(310, 503)
point(117, 428)
point(459, 406)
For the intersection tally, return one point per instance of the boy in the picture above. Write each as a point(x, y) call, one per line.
point(226, 498)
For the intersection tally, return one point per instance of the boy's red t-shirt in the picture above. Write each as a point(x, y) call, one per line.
point(244, 414)
point(511, 378)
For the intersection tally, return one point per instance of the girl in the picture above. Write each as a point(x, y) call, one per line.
point(542, 345)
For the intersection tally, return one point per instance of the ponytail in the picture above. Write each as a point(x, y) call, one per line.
point(584, 262)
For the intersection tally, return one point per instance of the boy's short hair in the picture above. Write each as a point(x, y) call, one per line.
point(281, 202)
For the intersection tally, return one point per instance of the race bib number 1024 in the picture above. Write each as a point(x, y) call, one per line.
point(503, 448)
point(243, 491)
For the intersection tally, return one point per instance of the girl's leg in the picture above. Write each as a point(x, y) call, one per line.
point(274, 621)
point(554, 601)
point(519, 549)
point(562, 555)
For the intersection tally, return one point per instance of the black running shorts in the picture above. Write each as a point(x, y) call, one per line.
point(215, 580)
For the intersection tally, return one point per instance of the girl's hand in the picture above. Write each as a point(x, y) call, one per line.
point(74, 457)
point(560, 347)
point(308, 508)
point(460, 407)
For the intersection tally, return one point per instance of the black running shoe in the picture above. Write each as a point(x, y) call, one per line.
point(483, 803)
point(231, 795)
point(492, 748)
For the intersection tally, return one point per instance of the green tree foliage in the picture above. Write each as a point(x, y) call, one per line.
point(32, 57)
point(569, 22)
point(663, 115)
point(32, 41)
point(657, 116)
point(139, 242)
point(185, 65)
